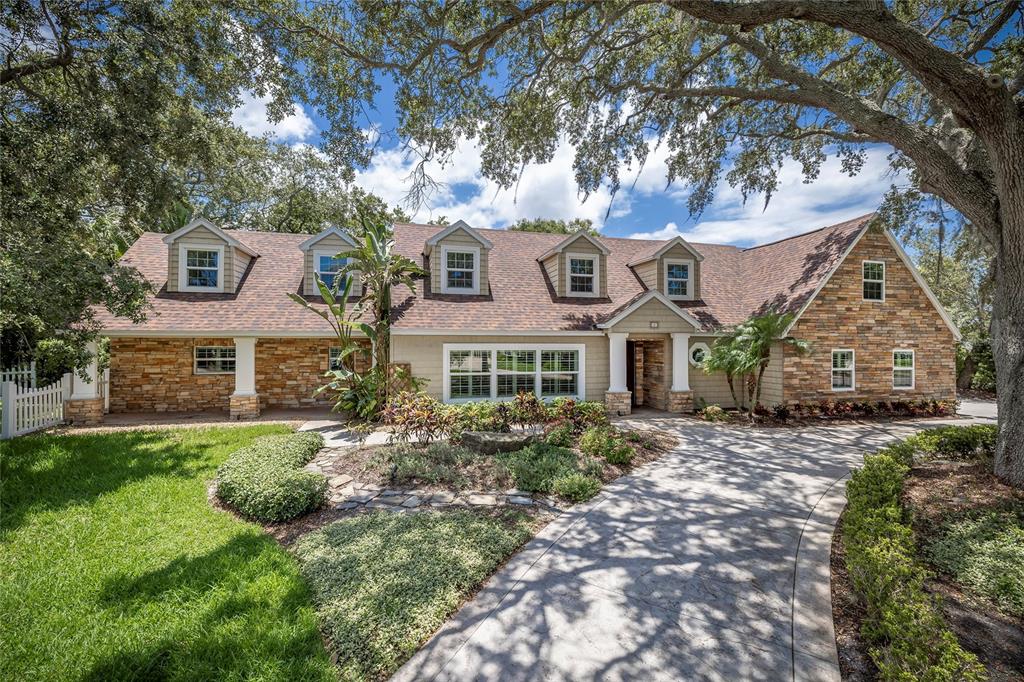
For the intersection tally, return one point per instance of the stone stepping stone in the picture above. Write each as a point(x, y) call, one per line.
point(341, 480)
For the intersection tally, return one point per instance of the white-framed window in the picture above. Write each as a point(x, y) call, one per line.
point(584, 272)
point(873, 272)
point(200, 268)
point(214, 360)
point(500, 371)
point(678, 279)
point(327, 267)
point(903, 369)
point(844, 370)
point(698, 352)
point(334, 360)
point(461, 270)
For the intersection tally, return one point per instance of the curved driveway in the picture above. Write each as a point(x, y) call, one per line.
point(711, 563)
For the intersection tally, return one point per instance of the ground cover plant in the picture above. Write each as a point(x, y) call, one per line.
point(264, 482)
point(384, 582)
point(115, 566)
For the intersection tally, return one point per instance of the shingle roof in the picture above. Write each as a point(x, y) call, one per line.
point(735, 283)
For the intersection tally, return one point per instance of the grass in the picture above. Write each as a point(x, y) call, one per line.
point(115, 566)
point(384, 582)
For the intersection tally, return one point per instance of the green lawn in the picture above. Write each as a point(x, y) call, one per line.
point(114, 566)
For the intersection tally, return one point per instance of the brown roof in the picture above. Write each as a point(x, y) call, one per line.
point(735, 283)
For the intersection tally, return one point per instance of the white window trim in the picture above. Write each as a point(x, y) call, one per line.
point(699, 345)
point(689, 278)
point(195, 361)
point(597, 275)
point(912, 368)
point(183, 250)
point(581, 349)
point(863, 279)
point(330, 351)
point(853, 370)
point(316, 263)
point(475, 250)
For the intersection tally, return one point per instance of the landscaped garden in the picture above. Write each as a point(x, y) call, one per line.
point(928, 563)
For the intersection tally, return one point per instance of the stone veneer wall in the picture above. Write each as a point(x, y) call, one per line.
point(839, 318)
point(156, 374)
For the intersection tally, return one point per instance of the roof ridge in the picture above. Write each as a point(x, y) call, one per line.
point(804, 234)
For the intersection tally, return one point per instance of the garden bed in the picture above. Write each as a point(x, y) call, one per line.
point(930, 513)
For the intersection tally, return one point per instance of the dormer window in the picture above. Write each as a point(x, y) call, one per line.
point(328, 267)
point(677, 279)
point(202, 268)
point(583, 271)
point(461, 270)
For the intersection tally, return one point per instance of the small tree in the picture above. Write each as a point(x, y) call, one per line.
point(727, 357)
point(754, 339)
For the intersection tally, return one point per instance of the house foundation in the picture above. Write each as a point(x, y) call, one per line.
point(84, 412)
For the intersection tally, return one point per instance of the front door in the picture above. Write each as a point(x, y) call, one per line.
point(631, 371)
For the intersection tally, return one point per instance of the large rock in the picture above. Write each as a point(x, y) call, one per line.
point(490, 442)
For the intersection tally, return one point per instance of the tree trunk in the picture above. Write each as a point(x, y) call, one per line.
point(732, 391)
point(1008, 349)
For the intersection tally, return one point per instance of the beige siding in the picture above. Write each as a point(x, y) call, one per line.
point(203, 237)
point(456, 239)
point(582, 246)
point(241, 259)
point(334, 244)
point(648, 273)
point(425, 355)
point(771, 382)
point(551, 268)
point(712, 388)
point(679, 252)
point(653, 311)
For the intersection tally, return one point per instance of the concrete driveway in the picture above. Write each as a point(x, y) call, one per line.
point(712, 563)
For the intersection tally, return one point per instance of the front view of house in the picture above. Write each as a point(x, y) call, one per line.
point(620, 320)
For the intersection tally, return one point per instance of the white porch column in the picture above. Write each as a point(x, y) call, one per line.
point(680, 362)
point(245, 366)
point(617, 362)
point(89, 388)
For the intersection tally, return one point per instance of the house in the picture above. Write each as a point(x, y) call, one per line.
point(620, 320)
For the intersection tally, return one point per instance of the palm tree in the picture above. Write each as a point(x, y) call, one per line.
point(755, 337)
point(728, 357)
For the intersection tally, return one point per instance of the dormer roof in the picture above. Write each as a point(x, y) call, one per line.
point(661, 249)
point(203, 222)
point(571, 239)
point(455, 227)
point(332, 230)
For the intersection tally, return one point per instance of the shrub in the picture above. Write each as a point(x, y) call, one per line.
point(535, 467)
point(576, 487)
point(597, 441)
point(639, 438)
point(560, 434)
point(581, 414)
point(713, 413)
point(483, 415)
point(620, 453)
point(781, 412)
point(592, 466)
point(413, 414)
point(985, 553)
point(435, 463)
point(264, 482)
point(966, 442)
point(903, 623)
point(527, 410)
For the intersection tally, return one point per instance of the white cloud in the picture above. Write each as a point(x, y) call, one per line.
point(794, 208)
point(251, 116)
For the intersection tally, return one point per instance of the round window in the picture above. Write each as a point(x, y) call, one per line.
point(698, 352)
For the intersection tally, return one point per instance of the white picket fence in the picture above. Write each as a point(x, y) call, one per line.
point(29, 409)
point(23, 375)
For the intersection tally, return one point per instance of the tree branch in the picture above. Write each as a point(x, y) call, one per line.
point(20, 71)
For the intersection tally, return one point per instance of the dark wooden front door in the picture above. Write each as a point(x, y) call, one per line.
point(631, 371)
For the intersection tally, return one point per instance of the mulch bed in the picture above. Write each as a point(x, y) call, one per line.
point(934, 491)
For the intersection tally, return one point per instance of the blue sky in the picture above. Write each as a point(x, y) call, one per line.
point(644, 208)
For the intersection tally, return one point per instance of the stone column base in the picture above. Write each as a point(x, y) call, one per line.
point(84, 412)
point(680, 402)
point(618, 403)
point(244, 407)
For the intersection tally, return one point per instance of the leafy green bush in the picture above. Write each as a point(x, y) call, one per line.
point(985, 553)
point(640, 438)
point(620, 453)
point(413, 414)
point(598, 441)
point(528, 410)
point(560, 434)
point(576, 487)
point(952, 442)
point(264, 482)
point(581, 414)
point(434, 463)
point(903, 623)
point(713, 413)
point(483, 415)
point(535, 467)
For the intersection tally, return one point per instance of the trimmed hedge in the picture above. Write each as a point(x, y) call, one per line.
point(909, 638)
point(264, 481)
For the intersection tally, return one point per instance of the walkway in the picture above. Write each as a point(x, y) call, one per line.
point(711, 563)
